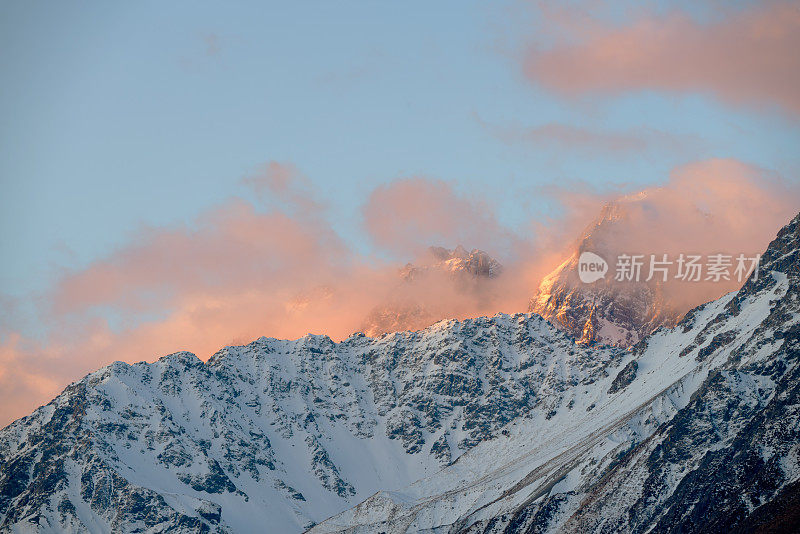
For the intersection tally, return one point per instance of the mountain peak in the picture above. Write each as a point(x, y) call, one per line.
point(783, 250)
point(464, 271)
point(605, 311)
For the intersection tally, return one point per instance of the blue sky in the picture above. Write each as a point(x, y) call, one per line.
point(129, 130)
point(118, 115)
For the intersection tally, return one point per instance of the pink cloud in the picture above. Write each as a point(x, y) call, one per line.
point(240, 272)
point(410, 214)
point(747, 57)
point(709, 207)
point(231, 247)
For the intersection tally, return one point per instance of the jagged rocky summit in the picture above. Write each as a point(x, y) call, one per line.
point(605, 311)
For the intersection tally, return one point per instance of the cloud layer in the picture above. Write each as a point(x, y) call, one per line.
point(747, 57)
point(245, 269)
point(406, 216)
point(276, 268)
point(718, 206)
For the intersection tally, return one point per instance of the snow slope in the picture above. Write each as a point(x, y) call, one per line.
point(277, 435)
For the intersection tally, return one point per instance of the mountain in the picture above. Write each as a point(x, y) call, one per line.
point(604, 311)
point(464, 271)
point(277, 435)
point(696, 429)
point(500, 424)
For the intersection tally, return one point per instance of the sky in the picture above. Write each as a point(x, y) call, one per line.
point(173, 174)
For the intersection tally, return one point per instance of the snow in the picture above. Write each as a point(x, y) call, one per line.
point(319, 413)
point(542, 456)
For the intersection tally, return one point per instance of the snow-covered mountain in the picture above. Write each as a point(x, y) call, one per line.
point(698, 430)
point(500, 424)
point(277, 435)
point(605, 311)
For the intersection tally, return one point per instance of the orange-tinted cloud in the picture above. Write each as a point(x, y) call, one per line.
point(721, 204)
point(232, 247)
point(241, 271)
point(411, 214)
point(718, 206)
point(746, 57)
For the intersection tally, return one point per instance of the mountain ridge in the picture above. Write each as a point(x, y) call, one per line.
point(500, 424)
point(715, 370)
point(251, 423)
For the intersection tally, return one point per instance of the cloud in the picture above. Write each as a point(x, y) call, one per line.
point(594, 141)
point(746, 57)
point(282, 184)
point(410, 214)
point(242, 270)
point(232, 247)
point(718, 206)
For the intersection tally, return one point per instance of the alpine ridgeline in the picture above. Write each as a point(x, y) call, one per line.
point(500, 424)
point(277, 435)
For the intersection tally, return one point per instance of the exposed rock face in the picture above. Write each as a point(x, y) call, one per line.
point(397, 316)
point(276, 435)
point(625, 377)
point(465, 271)
point(697, 430)
point(604, 311)
point(459, 261)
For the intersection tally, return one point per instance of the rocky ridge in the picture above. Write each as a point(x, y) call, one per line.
point(278, 433)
